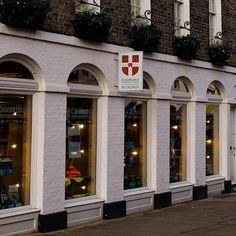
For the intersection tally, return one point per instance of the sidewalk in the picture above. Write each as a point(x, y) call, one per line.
point(214, 216)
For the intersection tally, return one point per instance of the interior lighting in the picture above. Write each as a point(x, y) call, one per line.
point(14, 113)
point(83, 187)
point(208, 121)
point(209, 141)
point(135, 153)
point(208, 157)
point(81, 126)
point(14, 146)
point(82, 151)
point(17, 185)
point(135, 125)
point(175, 127)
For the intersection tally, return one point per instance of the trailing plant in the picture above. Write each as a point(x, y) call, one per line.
point(23, 13)
point(219, 53)
point(144, 37)
point(92, 25)
point(186, 46)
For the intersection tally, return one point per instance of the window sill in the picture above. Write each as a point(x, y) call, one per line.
point(214, 178)
point(144, 190)
point(82, 201)
point(17, 211)
point(180, 185)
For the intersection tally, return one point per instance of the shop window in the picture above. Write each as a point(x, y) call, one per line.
point(178, 130)
point(81, 126)
point(212, 129)
point(178, 135)
point(135, 170)
point(215, 20)
point(181, 15)
point(10, 69)
point(212, 139)
point(15, 140)
point(138, 7)
point(85, 5)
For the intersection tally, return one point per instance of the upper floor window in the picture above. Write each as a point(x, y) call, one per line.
point(138, 7)
point(182, 15)
point(215, 20)
point(83, 5)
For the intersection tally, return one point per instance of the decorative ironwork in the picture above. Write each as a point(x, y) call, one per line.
point(94, 3)
point(146, 16)
point(186, 26)
point(218, 35)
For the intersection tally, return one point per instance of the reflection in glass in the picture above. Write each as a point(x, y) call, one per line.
point(212, 139)
point(81, 76)
point(135, 174)
point(15, 149)
point(178, 142)
point(80, 147)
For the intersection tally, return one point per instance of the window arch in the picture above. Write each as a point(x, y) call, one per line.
point(81, 133)
point(181, 94)
point(17, 86)
point(215, 95)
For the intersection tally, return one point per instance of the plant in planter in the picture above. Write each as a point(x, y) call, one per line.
point(219, 53)
point(144, 37)
point(92, 25)
point(23, 13)
point(186, 46)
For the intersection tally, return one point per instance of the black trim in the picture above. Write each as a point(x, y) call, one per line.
point(162, 200)
point(53, 221)
point(114, 210)
point(200, 192)
point(227, 186)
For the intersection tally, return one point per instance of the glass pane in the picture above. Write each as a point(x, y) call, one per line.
point(178, 132)
point(179, 86)
point(80, 147)
point(213, 90)
point(15, 142)
point(82, 77)
point(135, 172)
point(212, 139)
point(11, 69)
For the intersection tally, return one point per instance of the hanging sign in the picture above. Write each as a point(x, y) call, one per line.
point(130, 71)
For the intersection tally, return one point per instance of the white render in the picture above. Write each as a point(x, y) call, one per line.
point(51, 58)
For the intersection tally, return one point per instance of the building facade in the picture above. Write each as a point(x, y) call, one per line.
point(74, 149)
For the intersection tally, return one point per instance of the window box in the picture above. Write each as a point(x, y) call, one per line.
point(186, 47)
point(219, 54)
point(92, 25)
point(144, 37)
point(26, 13)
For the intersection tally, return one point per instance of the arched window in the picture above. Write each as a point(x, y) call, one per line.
point(178, 131)
point(212, 129)
point(81, 127)
point(16, 88)
point(135, 148)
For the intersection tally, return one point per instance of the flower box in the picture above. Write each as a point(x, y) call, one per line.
point(92, 25)
point(144, 37)
point(23, 13)
point(219, 53)
point(186, 46)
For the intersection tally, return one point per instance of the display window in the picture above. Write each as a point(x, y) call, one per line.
point(135, 156)
point(15, 139)
point(15, 135)
point(178, 123)
point(212, 139)
point(178, 130)
point(81, 126)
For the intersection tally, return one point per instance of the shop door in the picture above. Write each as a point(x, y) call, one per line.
point(232, 146)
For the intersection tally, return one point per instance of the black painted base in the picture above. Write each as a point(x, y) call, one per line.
point(162, 200)
point(200, 192)
point(114, 210)
point(227, 187)
point(52, 222)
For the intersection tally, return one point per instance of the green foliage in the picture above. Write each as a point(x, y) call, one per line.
point(23, 13)
point(219, 53)
point(144, 37)
point(92, 25)
point(186, 47)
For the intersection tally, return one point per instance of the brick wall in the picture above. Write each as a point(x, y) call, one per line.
point(60, 17)
point(229, 27)
point(163, 19)
point(119, 12)
point(199, 20)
